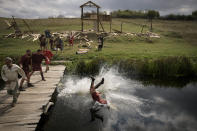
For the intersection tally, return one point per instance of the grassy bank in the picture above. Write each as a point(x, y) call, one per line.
point(178, 38)
point(165, 68)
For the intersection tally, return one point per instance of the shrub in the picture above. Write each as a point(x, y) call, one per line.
point(162, 68)
point(89, 68)
point(170, 67)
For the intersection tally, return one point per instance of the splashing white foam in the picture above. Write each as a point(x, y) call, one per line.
point(112, 87)
point(113, 81)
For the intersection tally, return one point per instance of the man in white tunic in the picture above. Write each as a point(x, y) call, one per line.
point(9, 74)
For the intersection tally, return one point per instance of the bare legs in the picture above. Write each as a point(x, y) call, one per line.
point(22, 81)
point(41, 73)
point(92, 83)
point(47, 68)
point(99, 84)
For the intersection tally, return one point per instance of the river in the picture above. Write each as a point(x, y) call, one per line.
point(133, 106)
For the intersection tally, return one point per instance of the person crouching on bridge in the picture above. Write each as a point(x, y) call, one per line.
point(37, 59)
point(9, 74)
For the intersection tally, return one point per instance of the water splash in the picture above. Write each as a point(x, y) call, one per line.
point(118, 93)
point(133, 106)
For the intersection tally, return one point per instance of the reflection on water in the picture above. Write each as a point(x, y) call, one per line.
point(134, 107)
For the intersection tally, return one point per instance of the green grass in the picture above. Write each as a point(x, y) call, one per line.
point(178, 38)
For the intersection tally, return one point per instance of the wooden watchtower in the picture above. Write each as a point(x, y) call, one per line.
point(95, 18)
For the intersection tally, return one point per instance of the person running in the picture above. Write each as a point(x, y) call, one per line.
point(43, 42)
point(37, 59)
point(98, 101)
point(71, 39)
point(25, 63)
point(48, 54)
point(9, 74)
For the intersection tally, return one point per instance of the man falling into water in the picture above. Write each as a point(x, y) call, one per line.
point(98, 101)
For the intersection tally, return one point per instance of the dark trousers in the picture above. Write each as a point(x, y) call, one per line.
point(95, 115)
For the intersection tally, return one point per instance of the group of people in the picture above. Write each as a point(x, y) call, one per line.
point(55, 44)
point(28, 64)
point(31, 62)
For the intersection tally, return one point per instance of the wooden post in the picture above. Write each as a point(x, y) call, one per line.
point(110, 21)
point(151, 26)
point(102, 26)
point(81, 19)
point(110, 26)
point(97, 19)
point(121, 27)
point(142, 28)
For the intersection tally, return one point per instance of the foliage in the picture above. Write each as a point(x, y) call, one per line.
point(153, 14)
point(89, 68)
point(161, 68)
point(194, 14)
point(170, 67)
point(177, 17)
point(135, 14)
point(129, 14)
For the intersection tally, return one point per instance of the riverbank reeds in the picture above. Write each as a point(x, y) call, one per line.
point(162, 68)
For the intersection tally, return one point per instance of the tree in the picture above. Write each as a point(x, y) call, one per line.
point(194, 14)
point(152, 14)
point(60, 16)
point(50, 17)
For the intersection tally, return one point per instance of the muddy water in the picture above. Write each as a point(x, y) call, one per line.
point(134, 107)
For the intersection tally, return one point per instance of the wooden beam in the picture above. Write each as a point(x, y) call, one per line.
point(121, 27)
point(102, 26)
point(97, 19)
point(110, 21)
point(110, 25)
point(90, 2)
point(82, 19)
point(89, 19)
point(28, 26)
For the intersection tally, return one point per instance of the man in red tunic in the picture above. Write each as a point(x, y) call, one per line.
point(99, 102)
point(37, 59)
point(71, 39)
point(25, 63)
point(48, 54)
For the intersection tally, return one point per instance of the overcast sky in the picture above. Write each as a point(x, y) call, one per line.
point(70, 8)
